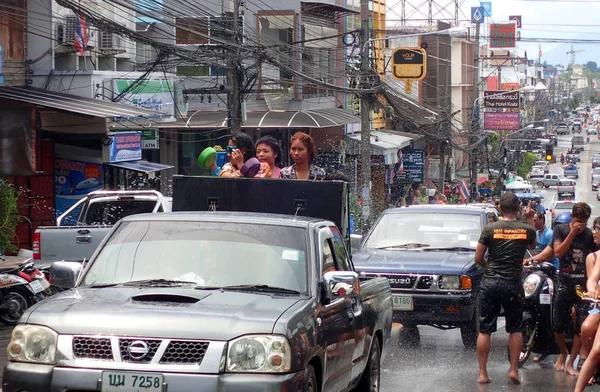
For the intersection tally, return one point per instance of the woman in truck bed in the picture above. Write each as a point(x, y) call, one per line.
point(302, 151)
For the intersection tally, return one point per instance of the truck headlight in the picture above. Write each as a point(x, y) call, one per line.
point(32, 343)
point(259, 354)
point(454, 282)
point(531, 284)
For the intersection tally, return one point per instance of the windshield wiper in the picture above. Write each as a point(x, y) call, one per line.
point(451, 248)
point(406, 246)
point(158, 282)
point(256, 287)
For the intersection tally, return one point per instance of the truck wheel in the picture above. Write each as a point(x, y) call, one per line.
point(13, 307)
point(369, 381)
point(540, 184)
point(310, 384)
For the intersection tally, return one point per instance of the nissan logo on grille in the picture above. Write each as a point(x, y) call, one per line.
point(402, 281)
point(138, 350)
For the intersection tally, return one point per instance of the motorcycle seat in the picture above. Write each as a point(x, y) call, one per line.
point(12, 265)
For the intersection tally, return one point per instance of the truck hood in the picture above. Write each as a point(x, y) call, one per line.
point(384, 261)
point(161, 312)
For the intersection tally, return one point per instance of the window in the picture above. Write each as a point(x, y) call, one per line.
point(341, 255)
point(277, 32)
point(328, 260)
point(199, 31)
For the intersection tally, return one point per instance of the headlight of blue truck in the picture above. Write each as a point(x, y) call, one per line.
point(259, 354)
point(32, 343)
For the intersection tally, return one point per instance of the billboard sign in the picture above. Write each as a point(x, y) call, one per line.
point(477, 15)
point(122, 147)
point(154, 94)
point(487, 7)
point(412, 166)
point(409, 63)
point(73, 180)
point(503, 35)
point(501, 99)
point(501, 121)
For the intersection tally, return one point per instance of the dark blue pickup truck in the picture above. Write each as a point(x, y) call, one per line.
point(427, 253)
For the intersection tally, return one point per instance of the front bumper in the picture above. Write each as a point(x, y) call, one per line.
point(26, 377)
point(446, 310)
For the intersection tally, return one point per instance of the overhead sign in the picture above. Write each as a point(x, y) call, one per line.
point(409, 64)
point(413, 162)
point(150, 139)
point(501, 121)
point(154, 94)
point(487, 6)
point(503, 35)
point(501, 99)
point(477, 15)
point(518, 19)
point(122, 147)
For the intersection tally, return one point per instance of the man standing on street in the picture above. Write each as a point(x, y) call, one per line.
point(507, 241)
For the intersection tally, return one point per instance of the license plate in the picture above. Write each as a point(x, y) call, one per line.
point(402, 302)
point(131, 382)
point(44, 282)
point(36, 286)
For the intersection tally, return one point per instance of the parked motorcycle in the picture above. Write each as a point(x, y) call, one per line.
point(21, 285)
point(538, 334)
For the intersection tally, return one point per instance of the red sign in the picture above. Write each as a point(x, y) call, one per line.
point(510, 86)
point(501, 121)
point(503, 35)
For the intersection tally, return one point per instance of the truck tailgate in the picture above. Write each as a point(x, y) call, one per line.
point(69, 242)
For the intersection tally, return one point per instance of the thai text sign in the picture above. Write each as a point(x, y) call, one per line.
point(501, 121)
point(409, 63)
point(503, 35)
point(124, 146)
point(501, 99)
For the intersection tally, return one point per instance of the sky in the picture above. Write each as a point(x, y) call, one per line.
point(546, 19)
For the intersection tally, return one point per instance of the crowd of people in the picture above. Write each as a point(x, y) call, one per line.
point(573, 249)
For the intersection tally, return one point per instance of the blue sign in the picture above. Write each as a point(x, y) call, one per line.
point(74, 179)
point(477, 15)
point(487, 6)
point(414, 166)
point(125, 146)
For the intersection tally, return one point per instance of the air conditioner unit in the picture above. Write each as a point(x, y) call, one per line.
point(110, 41)
point(70, 29)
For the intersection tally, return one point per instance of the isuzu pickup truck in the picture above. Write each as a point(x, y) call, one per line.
point(80, 230)
point(208, 301)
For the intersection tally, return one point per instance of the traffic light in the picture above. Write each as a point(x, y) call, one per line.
point(549, 152)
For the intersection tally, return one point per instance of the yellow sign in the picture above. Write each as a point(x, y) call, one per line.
point(409, 64)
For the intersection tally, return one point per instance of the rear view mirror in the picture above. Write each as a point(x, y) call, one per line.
point(340, 284)
point(64, 274)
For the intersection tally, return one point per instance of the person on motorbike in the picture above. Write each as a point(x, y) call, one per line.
point(562, 158)
point(547, 254)
point(572, 244)
point(501, 286)
point(589, 330)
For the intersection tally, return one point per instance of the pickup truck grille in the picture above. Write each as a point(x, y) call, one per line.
point(410, 282)
point(140, 350)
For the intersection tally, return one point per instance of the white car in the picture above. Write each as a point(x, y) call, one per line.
point(537, 171)
point(592, 131)
point(543, 164)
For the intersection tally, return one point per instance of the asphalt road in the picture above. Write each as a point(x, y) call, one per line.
point(436, 360)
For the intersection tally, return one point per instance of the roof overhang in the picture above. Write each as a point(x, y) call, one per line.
point(326, 8)
point(313, 118)
point(141, 166)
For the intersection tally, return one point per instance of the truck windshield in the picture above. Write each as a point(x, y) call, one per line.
point(440, 230)
point(207, 253)
point(111, 211)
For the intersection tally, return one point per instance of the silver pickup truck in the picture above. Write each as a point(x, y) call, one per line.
point(207, 301)
point(80, 230)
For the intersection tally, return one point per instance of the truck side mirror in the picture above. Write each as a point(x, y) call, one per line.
point(340, 284)
point(64, 274)
point(355, 240)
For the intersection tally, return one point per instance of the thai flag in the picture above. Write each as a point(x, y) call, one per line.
point(400, 164)
point(463, 190)
point(80, 37)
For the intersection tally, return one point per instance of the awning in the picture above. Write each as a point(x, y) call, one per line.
point(324, 6)
point(78, 105)
point(140, 166)
point(313, 118)
point(386, 143)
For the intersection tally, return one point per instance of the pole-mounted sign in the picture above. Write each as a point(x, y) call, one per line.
point(409, 64)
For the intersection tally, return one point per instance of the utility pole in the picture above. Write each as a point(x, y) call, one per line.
point(365, 118)
point(234, 97)
point(476, 111)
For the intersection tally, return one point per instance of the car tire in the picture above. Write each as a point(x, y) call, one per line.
point(470, 331)
point(371, 377)
point(310, 377)
point(540, 184)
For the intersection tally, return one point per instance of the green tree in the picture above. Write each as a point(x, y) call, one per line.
point(9, 216)
point(592, 66)
point(529, 159)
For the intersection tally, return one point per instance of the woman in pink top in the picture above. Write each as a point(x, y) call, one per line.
point(268, 151)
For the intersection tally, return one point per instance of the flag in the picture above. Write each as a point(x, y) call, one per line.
point(540, 50)
point(399, 169)
point(80, 38)
point(463, 190)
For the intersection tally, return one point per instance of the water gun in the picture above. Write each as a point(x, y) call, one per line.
point(212, 158)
